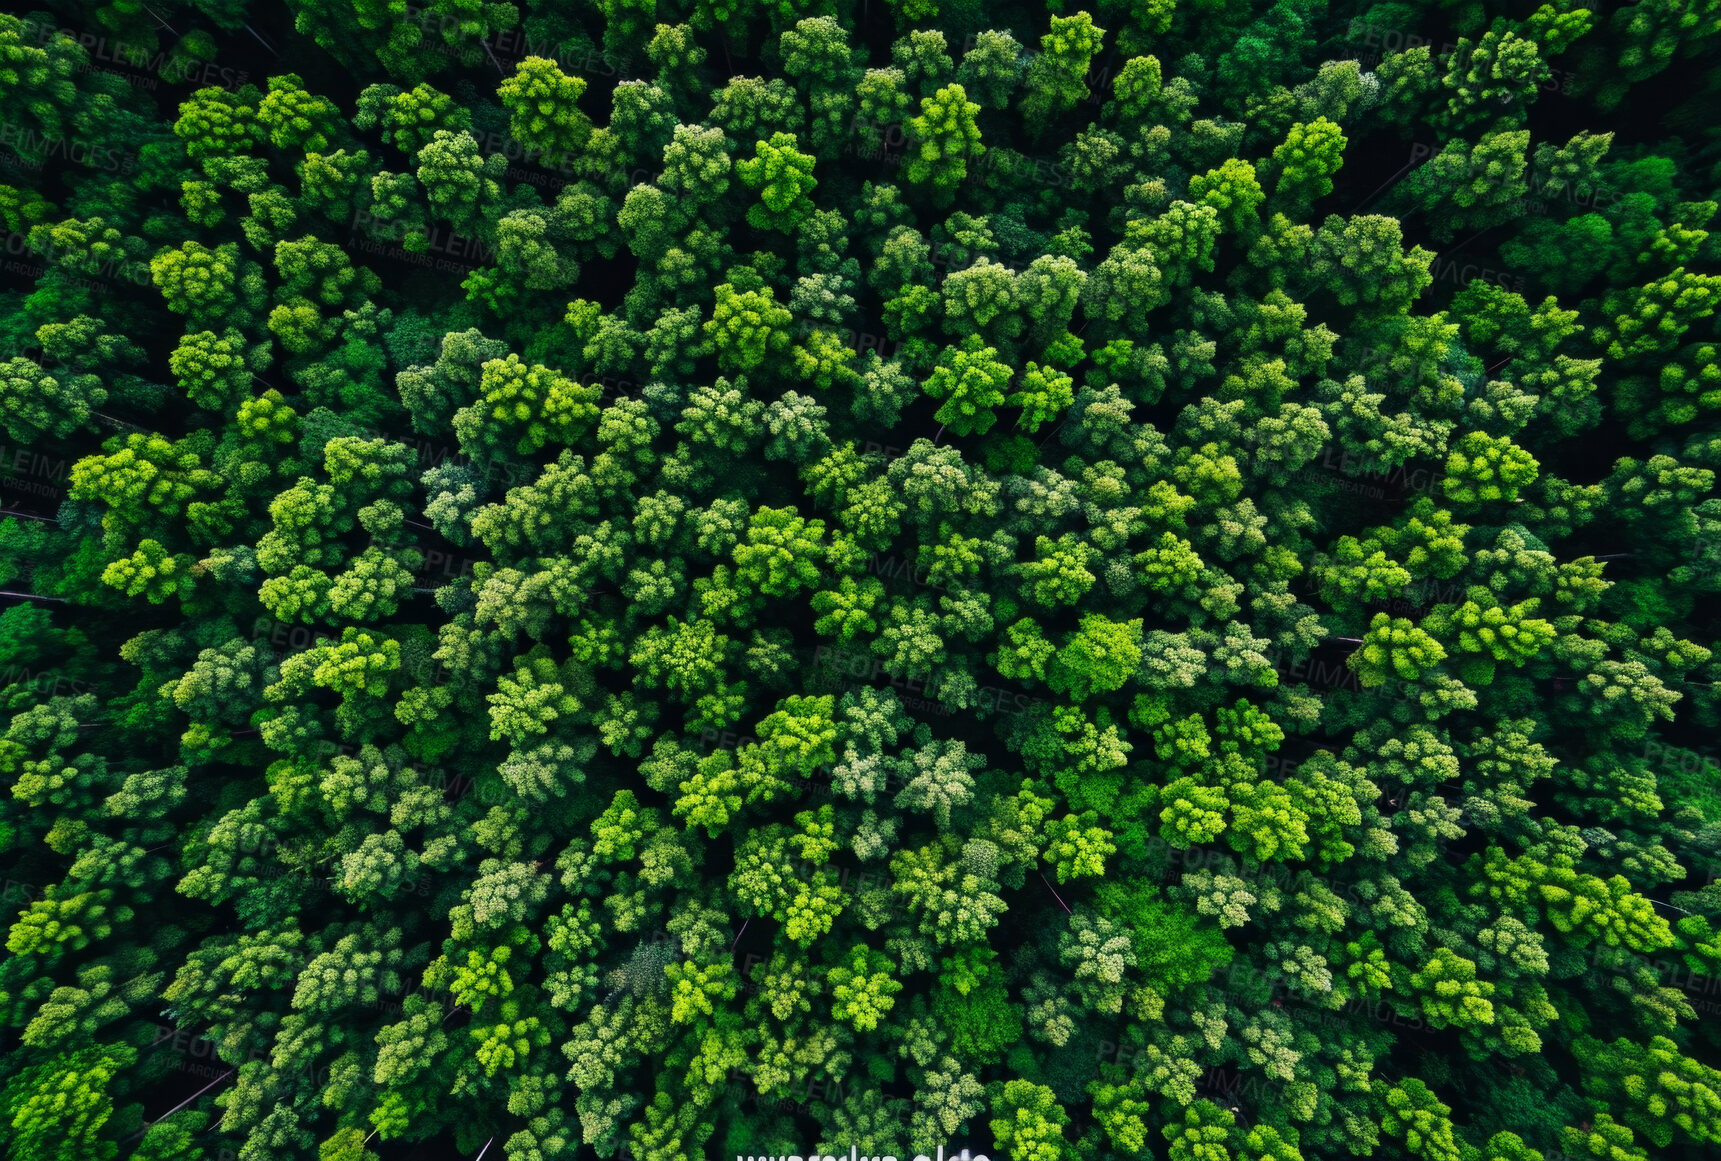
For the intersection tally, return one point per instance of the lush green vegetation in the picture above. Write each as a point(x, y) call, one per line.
point(603, 579)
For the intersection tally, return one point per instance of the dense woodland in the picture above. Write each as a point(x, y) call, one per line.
point(611, 579)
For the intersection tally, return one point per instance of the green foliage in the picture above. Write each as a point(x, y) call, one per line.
point(783, 177)
point(862, 989)
point(541, 103)
point(1305, 163)
point(946, 139)
point(542, 640)
point(746, 328)
point(1482, 468)
point(1054, 79)
point(1395, 647)
point(1028, 1121)
point(970, 381)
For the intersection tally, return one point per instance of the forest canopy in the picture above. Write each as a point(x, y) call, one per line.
point(677, 580)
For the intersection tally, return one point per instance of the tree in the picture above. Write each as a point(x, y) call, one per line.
point(783, 176)
point(214, 370)
point(979, 300)
point(1501, 69)
point(38, 403)
point(143, 477)
point(1181, 239)
point(937, 779)
point(530, 399)
point(697, 988)
point(746, 328)
point(1305, 163)
point(57, 1108)
point(989, 69)
point(951, 904)
point(1482, 468)
point(1395, 645)
point(1076, 848)
point(696, 163)
point(1450, 992)
point(409, 118)
point(296, 119)
point(459, 181)
point(1099, 659)
point(1649, 40)
point(882, 101)
point(1042, 393)
point(970, 381)
point(214, 122)
point(150, 572)
point(1413, 1112)
point(817, 56)
point(1056, 78)
point(1234, 192)
point(1028, 1121)
point(862, 989)
point(642, 121)
point(946, 138)
point(712, 795)
point(542, 111)
point(945, 1100)
point(1059, 572)
point(1651, 318)
point(1047, 294)
point(1363, 262)
point(779, 553)
point(676, 55)
point(1203, 1133)
point(749, 108)
point(1493, 631)
point(205, 285)
point(923, 58)
point(1469, 188)
point(527, 702)
point(526, 248)
point(1604, 1139)
point(1126, 284)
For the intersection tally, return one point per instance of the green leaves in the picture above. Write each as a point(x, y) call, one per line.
point(946, 138)
point(201, 283)
point(150, 572)
point(1394, 647)
point(746, 328)
point(696, 989)
point(1028, 1121)
point(529, 700)
point(970, 381)
point(1059, 574)
point(37, 403)
point(893, 538)
point(1481, 469)
point(1232, 190)
point(542, 110)
point(779, 553)
point(1450, 992)
point(1055, 77)
point(1305, 163)
point(783, 176)
point(1100, 658)
point(862, 988)
point(541, 405)
point(56, 1110)
point(1500, 69)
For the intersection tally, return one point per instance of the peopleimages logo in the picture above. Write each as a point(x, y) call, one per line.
point(855, 1155)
